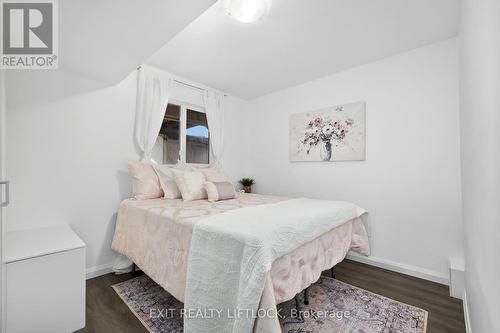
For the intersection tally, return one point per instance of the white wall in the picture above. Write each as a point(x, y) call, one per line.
point(236, 138)
point(480, 123)
point(67, 161)
point(410, 181)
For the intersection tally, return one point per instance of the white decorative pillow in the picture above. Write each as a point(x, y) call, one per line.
point(167, 181)
point(191, 184)
point(219, 191)
point(145, 182)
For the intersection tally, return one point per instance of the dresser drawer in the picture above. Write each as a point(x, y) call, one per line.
point(46, 294)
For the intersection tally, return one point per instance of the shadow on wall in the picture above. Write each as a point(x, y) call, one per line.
point(124, 184)
point(101, 249)
point(45, 86)
point(103, 252)
point(124, 188)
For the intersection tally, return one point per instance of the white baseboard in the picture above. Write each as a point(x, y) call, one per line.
point(96, 271)
point(418, 272)
point(457, 277)
point(468, 328)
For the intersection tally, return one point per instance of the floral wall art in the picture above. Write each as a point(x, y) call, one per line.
point(336, 133)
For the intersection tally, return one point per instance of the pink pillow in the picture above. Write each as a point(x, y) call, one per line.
point(217, 191)
point(145, 182)
point(214, 175)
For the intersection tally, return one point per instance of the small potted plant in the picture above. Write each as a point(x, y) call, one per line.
point(247, 184)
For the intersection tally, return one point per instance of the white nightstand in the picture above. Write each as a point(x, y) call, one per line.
point(45, 280)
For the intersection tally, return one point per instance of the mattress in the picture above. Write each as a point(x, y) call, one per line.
point(156, 234)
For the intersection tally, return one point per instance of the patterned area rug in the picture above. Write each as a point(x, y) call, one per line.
point(334, 306)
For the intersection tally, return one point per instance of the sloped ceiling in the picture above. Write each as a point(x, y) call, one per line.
point(301, 40)
point(101, 42)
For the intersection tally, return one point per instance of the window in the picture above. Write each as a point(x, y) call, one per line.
point(184, 136)
point(197, 144)
point(170, 134)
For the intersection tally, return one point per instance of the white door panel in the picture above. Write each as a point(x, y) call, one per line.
point(4, 199)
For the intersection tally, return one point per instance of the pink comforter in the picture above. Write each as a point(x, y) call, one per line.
point(155, 235)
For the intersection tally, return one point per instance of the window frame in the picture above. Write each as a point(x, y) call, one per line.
point(184, 106)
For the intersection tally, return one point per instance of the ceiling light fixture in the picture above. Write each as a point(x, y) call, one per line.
point(247, 11)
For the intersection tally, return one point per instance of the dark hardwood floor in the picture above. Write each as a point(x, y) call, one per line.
point(106, 313)
point(445, 313)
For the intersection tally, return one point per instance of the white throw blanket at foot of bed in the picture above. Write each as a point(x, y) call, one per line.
point(231, 255)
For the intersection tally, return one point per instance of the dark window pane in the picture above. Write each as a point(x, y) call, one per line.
point(170, 134)
point(197, 138)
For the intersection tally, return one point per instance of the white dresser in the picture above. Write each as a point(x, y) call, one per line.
point(45, 274)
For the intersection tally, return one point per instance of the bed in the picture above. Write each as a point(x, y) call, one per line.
point(156, 235)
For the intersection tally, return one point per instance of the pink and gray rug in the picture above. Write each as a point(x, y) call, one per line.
point(334, 306)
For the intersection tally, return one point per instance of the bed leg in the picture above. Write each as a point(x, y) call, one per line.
point(134, 271)
point(298, 308)
point(333, 272)
point(306, 296)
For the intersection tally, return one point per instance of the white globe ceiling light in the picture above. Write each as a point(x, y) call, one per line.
point(247, 11)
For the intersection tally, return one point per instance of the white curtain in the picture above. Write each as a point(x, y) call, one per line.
point(214, 108)
point(153, 91)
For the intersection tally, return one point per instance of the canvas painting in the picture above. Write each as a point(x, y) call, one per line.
point(336, 133)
